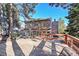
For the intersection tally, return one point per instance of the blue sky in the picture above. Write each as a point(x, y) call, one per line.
point(43, 10)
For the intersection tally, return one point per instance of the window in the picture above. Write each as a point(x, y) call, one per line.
point(48, 32)
point(35, 24)
point(43, 31)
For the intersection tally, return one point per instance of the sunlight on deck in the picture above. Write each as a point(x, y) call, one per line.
point(33, 47)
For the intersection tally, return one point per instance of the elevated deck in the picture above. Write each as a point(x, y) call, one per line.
point(36, 47)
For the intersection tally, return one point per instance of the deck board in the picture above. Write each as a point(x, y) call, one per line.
point(34, 47)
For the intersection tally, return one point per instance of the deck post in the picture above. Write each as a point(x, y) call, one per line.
point(65, 38)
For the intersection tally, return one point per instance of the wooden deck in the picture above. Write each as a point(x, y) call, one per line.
point(35, 47)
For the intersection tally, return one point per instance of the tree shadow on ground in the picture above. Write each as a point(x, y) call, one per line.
point(37, 51)
point(53, 48)
point(17, 50)
point(54, 52)
point(65, 51)
point(3, 46)
point(3, 49)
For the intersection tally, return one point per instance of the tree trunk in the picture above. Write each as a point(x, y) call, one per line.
point(10, 21)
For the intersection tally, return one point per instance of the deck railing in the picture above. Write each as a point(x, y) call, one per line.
point(71, 41)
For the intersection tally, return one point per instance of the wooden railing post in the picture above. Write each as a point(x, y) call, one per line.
point(71, 43)
point(65, 38)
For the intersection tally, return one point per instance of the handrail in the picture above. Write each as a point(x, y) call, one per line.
point(73, 42)
point(69, 40)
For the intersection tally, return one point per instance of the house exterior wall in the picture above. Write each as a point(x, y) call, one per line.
point(45, 26)
point(58, 27)
point(54, 27)
point(61, 26)
point(36, 27)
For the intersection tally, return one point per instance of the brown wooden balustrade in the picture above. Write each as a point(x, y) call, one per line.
point(71, 41)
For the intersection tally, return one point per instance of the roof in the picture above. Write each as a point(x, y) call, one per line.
point(39, 20)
